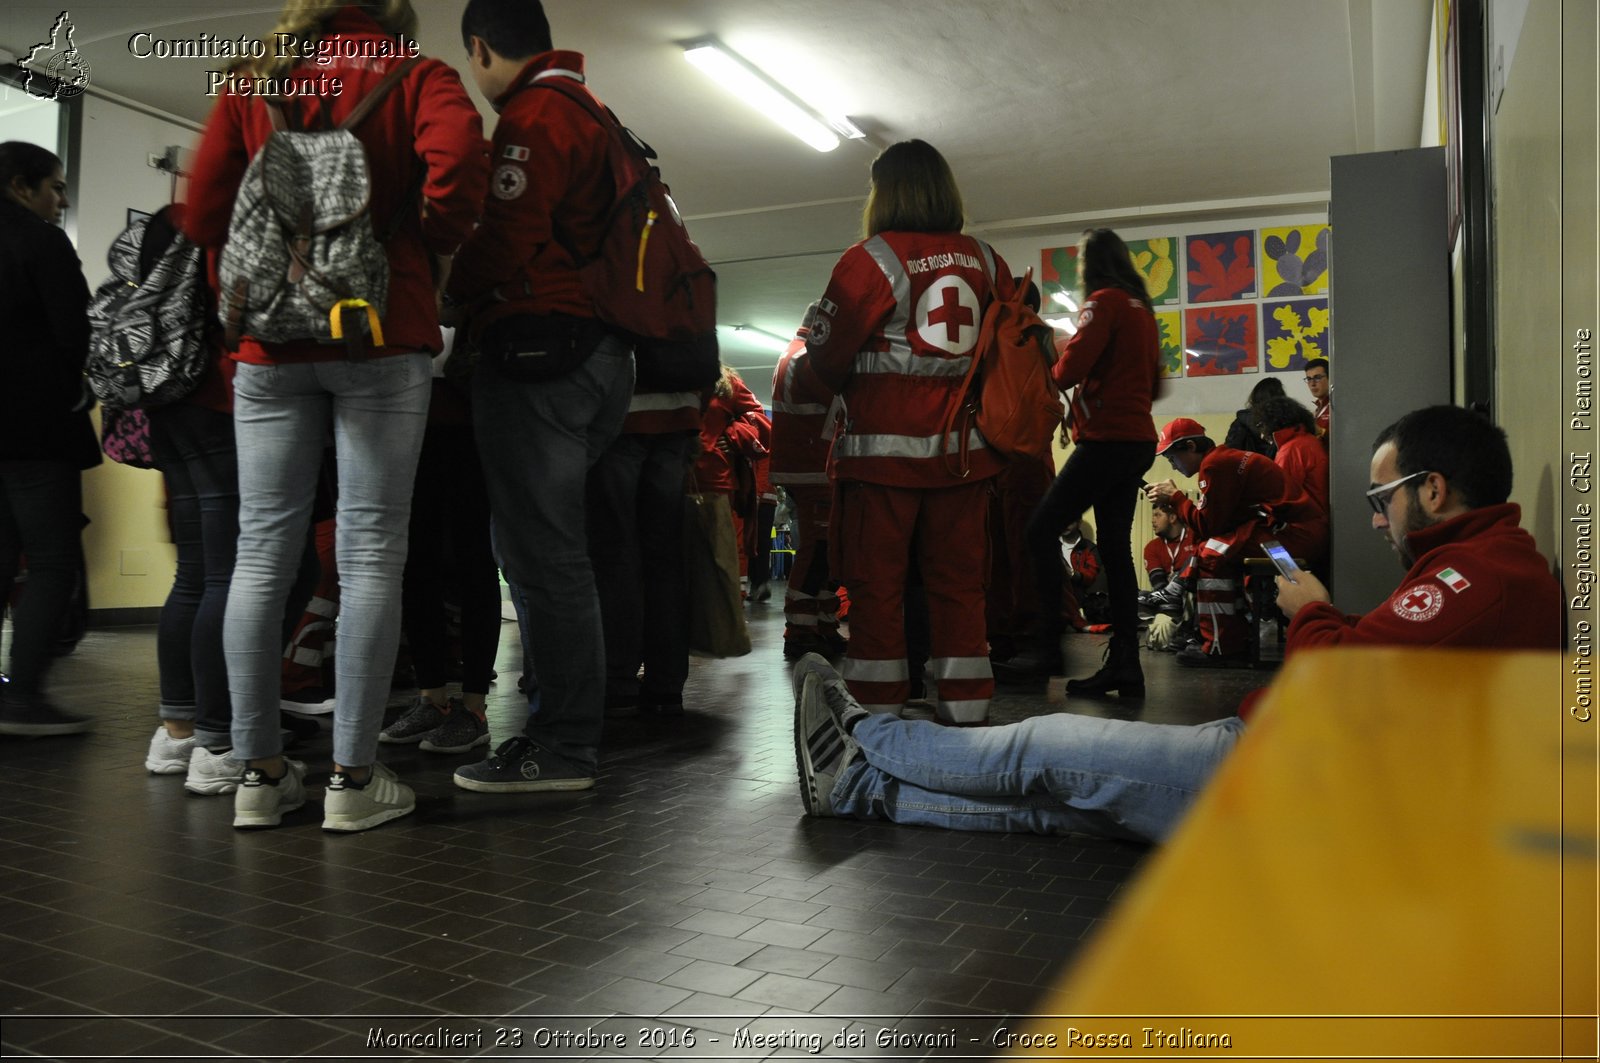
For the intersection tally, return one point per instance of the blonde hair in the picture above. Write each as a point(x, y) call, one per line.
point(724, 386)
point(913, 190)
point(306, 20)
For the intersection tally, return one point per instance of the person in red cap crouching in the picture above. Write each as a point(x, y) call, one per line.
point(1244, 501)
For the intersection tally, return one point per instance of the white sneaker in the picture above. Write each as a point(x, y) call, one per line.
point(350, 808)
point(213, 773)
point(168, 755)
point(261, 802)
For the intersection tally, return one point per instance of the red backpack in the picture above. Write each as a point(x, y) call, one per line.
point(647, 278)
point(1017, 406)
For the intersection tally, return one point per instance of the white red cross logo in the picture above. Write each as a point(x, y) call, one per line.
point(947, 315)
point(1421, 602)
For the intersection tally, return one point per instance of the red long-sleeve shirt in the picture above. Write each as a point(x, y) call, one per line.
point(1114, 361)
point(1479, 582)
point(426, 121)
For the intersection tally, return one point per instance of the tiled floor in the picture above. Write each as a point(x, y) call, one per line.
point(687, 888)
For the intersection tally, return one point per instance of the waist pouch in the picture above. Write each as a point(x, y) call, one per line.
point(532, 347)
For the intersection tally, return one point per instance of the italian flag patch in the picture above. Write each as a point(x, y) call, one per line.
point(1452, 579)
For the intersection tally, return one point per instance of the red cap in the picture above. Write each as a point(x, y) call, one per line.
point(1177, 431)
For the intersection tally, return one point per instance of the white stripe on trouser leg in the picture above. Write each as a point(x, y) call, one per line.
point(862, 671)
point(792, 595)
point(974, 710)
point(801, 619)
point(1216, 585)
point(961, 668)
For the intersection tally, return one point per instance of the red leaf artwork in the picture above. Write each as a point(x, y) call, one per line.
point(1221, 267)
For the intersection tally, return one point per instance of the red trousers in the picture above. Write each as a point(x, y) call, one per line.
point(876, 531)
point(811, 605)
point(1219, 599)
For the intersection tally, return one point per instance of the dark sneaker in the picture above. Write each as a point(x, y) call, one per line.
point(1030, 665)
point(661, 704)
point(261, 801)
point(37, 718)
point(168, 755)
point(824, 712)
point(312, 701)
point(461, 730)
point(347, 807)
point(1192, 656)
point(522, 766)
point(421, 720)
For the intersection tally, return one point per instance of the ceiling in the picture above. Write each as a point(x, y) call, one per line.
point(1051, 112)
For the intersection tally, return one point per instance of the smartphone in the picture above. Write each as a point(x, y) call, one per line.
point(1283, 559)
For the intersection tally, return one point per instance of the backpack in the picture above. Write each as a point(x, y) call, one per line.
point(647, 279)
point(147, 323)
point(1018, 406)
point(302, 260)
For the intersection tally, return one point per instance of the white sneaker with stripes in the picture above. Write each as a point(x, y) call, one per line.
point(823, 713)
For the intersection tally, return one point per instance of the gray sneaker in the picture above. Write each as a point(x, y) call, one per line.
point(347, 807)
point(461, 730)
point(34, 717)
point(418, 721)
point(168, 755)
point(522, 766)
point(213, 773)
point(824, 711)
point(262, 802)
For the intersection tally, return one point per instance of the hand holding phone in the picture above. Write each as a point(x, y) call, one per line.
point(1283, 560)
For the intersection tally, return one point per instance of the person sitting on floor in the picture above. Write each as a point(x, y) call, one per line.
point(1475, 579)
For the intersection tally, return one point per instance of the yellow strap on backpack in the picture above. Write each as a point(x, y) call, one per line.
point(336, 319)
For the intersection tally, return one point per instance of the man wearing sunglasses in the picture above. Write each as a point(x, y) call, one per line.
point(1440, 480)
point(1441, 477)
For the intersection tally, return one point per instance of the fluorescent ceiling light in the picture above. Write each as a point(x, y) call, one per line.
point(736, 75)
point(751, 336)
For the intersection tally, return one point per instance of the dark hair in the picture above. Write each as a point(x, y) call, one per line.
point(1464, 447)
point(1269, 387)
point(1318, 363)
point(515, 29)
point(1104, 262)
point(1280, 412)
point(30, 162)
point(913, 191)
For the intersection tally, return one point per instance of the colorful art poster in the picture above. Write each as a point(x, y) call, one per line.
point(1169, 331)
point(1156, 261)
point(1058, 276)
point(1222, 266)
point(1294, 260)
point(1295, 331)
point(1220, 340)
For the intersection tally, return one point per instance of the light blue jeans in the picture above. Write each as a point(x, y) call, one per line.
point(282, 413)
point(1055, 774)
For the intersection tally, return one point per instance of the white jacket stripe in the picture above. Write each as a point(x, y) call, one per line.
point(889, 446)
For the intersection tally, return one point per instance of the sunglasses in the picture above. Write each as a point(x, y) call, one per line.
point(1379, 497)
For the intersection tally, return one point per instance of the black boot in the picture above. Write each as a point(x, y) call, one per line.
point(1119, 673)
point(1040, 659)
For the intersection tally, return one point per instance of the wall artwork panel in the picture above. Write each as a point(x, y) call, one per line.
point(1058, 275)
point(1294, 331)
point(1220, 340)
point(1169, 333)
point(1294, 260)
point(1156, 261)
point(1221, 266)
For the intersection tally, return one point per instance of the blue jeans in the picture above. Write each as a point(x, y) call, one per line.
point(538, 440)
point(636, 545)
point(194, 449)
point(377, 409)
point(1055, 774)
point(41, 516)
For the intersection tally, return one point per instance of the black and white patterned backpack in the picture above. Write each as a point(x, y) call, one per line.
point(147, 323)
point(302, 260)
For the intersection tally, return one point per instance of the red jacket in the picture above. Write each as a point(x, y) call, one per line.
point(551, 179)
point(1166, 558)
point(895, 334)
point(1243, 495)
point(426, 121)
point(801, 430)
point(1479, 582)
point(1114, 360)
point(1304, 461)
point(732, 423)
